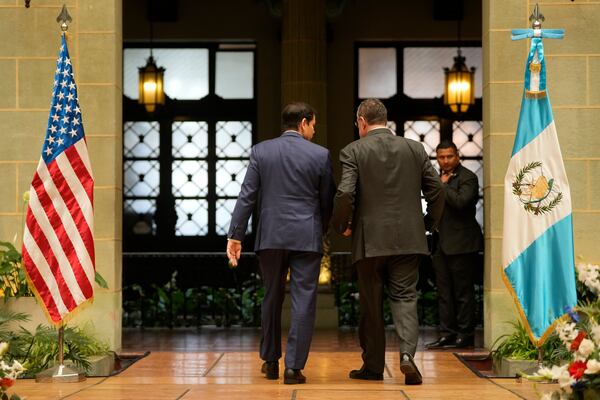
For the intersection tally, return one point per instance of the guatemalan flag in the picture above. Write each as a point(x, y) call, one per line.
point(537, 247)
point(58, 242)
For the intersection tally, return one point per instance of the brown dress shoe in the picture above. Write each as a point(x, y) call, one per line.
point(293, 377)
point(270, 369)
point(412, 376)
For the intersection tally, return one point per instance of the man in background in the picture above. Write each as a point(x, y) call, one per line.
point(378, 202)
point(293, 178)
point(455, 257)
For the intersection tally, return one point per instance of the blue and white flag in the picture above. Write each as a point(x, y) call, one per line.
point(537, 248)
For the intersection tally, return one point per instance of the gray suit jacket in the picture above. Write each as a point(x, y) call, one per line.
point(294, 180)
point(380, 193)
point(459, 232)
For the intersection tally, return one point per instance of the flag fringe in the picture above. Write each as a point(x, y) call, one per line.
point(537, 342)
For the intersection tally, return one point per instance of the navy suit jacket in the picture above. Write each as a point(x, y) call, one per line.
point(294, 180)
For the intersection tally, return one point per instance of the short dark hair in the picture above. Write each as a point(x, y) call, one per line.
point(293, 114)
point(446, 144)
point(373, 111)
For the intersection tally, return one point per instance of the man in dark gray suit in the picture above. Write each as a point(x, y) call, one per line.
point(293, 178)
point(456, 257)
point(378, 201)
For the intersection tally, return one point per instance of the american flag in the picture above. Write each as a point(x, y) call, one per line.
point(58, 241)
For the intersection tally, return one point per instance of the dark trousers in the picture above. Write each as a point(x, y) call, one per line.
point(456, 295)
point(304, 279)
point(401, 274)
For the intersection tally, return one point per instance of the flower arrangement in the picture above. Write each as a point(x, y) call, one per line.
point(8, 374)
point(579, 377)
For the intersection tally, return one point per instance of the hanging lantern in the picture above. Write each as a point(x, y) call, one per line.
point(459, 92)
point(151, 85)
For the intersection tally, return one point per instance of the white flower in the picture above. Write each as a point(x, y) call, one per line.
point(586, 347)
point(567, 332)
point(544, 372)
point(3, 348)
point(14, 370)
point(589, 275)
point(593, 367)
point(596, 333)
point(565, 380)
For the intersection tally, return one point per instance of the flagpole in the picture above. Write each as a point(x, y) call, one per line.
point(61, 373)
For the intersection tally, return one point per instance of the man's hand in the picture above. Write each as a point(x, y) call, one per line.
point(445, 177)
point(347, 232)
point(234, 251)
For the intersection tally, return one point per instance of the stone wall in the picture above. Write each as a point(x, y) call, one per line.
point(28, 51)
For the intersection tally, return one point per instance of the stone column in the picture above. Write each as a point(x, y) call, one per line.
point(303, 58)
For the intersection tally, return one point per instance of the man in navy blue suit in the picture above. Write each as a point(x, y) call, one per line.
point(293, 178)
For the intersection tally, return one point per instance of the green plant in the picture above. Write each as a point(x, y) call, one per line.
point(517, 345)
point(13, 282)
point(347, 302)
point(169, 305)
point(38, 350)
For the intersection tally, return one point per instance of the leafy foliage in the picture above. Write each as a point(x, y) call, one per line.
point(517, 345)
point(171, 306)
point(13, 282)
point(38, 350)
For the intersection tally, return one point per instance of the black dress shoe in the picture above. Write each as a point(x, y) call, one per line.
point(441, 342)
point(365, 374)
point(293, 377)
point(460, 342)
point(412, 376)
point(270, 369)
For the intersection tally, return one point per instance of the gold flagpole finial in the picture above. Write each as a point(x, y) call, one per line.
point(64, 18)
point(536, 18)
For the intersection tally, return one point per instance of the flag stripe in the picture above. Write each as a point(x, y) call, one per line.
point(78, 216)
point(76, 232)
point(535, 116)
point(86, 176)
point(43, 276)
point(48, 221)
point(67, 167)
point(75, 197)
point(45, 250)
point(40, 285)
point(541, 272)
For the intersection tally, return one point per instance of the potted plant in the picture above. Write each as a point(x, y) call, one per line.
point(514, 353)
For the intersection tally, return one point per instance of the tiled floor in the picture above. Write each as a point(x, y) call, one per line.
point(220, 364)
